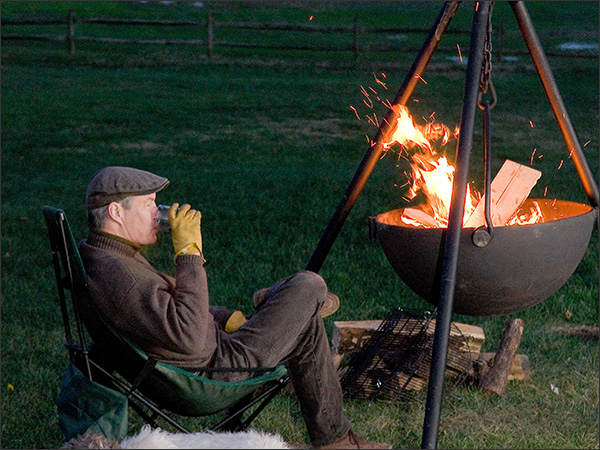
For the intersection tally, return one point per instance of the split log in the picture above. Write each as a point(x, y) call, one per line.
point(509, 188)
point(496, 377)
point(421, 216)
point(351, 336)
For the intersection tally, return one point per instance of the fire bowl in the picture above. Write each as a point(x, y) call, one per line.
point(520, 267)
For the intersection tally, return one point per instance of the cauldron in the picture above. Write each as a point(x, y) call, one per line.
point(521, 266)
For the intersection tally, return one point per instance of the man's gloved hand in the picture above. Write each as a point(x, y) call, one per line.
point(235, 321)
point(185, 230)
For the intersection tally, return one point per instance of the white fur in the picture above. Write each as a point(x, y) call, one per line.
point(158, 439)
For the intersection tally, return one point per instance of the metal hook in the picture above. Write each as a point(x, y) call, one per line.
point(493, 96)
point(483, 235)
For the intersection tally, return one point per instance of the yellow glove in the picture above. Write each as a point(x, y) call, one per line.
point(185, 230)
point(235, 321)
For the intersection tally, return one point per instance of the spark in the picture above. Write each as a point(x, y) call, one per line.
point(531, 124)
point(534, 150)
point(545, 190)
point(387, 103)
point(554, 202)
point(355, 112)
point(311, 18)
point(376, 120)
point(459, 53)
point(383, 75)
point(372, 90)
point(477, 6)
point(571, 152)
point(378, 81)
point(432, 116)
point(420, 78)
point(366, 94)
point(415, 100)
point(370, 120)
point(560, 165)
point(585, 145)
point(368, 139)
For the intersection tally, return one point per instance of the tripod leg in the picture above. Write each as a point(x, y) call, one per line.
point(373, 153)
point(448, 257)
point(560, 112)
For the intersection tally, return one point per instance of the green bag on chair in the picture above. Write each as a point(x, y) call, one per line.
point(85, 406)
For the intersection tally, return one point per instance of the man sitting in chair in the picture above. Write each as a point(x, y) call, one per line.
point(170, 317)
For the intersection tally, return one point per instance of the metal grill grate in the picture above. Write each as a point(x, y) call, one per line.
point(394, 364)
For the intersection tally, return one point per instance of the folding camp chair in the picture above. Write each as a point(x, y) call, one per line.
point(153, 389)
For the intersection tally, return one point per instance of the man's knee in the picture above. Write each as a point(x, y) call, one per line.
point(310, 283)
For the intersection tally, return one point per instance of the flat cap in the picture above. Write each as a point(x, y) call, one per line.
point(114, 183)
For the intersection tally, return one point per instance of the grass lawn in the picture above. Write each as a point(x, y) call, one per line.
point(265, 144)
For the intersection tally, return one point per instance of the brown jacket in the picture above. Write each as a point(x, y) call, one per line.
point(169, 318)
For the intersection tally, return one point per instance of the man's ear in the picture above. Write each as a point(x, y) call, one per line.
point(115, 211)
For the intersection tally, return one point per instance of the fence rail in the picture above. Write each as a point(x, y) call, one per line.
point(210, 25)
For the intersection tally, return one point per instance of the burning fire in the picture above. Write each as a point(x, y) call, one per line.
point(435, 178)
point(535, 215)
point(433, 175)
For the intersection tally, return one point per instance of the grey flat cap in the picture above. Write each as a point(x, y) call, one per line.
point(114, 183)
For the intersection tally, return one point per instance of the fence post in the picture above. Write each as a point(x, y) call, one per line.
point(71, 32)
point(355, 47)
point(209, 34)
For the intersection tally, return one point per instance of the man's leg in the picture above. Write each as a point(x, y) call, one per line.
point(288, 328)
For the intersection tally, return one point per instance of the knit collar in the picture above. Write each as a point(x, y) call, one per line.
point(107, 241)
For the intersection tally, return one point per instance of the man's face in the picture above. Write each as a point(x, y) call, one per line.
point(139, 220)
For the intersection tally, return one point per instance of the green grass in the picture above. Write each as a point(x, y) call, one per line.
point(265, 144)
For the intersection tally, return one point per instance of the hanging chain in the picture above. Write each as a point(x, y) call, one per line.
point(485, 80)
point(483, 235)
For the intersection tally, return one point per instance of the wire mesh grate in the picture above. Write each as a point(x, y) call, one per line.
point(394, 364)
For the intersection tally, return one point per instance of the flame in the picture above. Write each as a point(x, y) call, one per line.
point(406, 132)
point(433, 175)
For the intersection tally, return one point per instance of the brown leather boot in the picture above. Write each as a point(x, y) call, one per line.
point(351, 440)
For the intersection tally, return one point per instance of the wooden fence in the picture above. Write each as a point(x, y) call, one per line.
point(208, 27)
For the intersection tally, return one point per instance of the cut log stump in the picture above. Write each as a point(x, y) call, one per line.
point(496, 377)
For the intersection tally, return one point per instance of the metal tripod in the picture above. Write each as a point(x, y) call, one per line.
point(448, 256)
